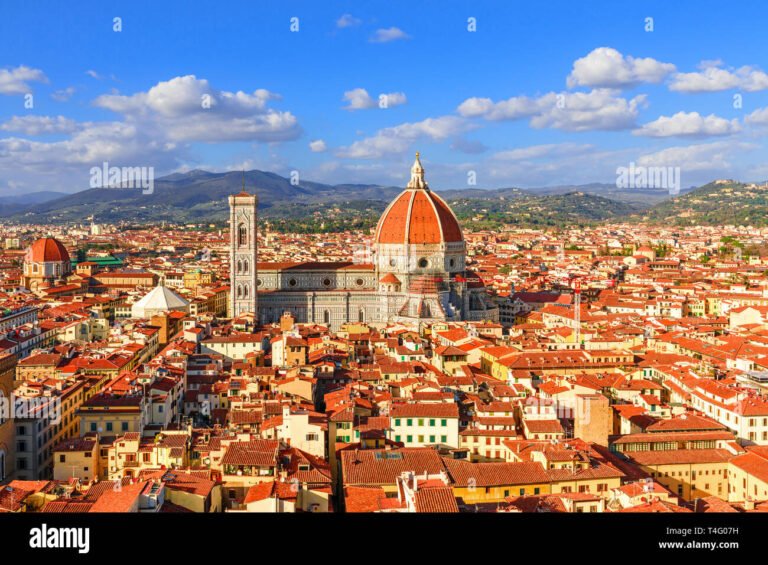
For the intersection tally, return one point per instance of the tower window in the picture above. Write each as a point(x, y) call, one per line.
point(423, 263)
point(242, 235)
point(452, 262)
point(291, 282)
point(326, 282)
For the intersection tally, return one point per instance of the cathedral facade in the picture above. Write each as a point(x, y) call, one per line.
point(418, 271)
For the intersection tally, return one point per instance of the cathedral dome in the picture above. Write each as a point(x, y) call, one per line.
point(47, 250)
point(418, 215)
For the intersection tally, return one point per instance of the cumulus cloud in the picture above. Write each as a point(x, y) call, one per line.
point(690, 124)
point(713, 78)
point(385, 35)
point(359, 99)
point(598, 109)
point(16, 80)
point(317, 146)
point(189, 109)
point(155, 128)
point(347, 20)
point(37, 125)
point(605, 67)
point(398, 139)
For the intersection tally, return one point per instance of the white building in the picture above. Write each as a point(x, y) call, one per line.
point(421, 424)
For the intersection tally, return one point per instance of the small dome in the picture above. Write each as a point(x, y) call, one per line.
point(47, 250)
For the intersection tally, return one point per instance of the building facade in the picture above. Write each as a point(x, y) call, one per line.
point(418, 272)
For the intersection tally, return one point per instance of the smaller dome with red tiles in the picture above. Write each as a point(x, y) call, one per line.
point(48, 250)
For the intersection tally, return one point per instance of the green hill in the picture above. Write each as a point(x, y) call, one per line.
point(716, 203)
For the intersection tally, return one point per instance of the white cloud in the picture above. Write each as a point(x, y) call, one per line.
point(359, 99)
point(690, 124)
point(64, 94)
point(598, 109)
point(16, 81)
point(317, 146)
point(189, 109)
point(713, 78)
point(93, 74)
point(759, 117)
point(399, 138)
point(510, 109)
point(605, 67)
point(714, 157)
point(544, 151)
point(155, 128)
point(36, 125)
point(385, 35)
point(347, 20)
point(585, 111)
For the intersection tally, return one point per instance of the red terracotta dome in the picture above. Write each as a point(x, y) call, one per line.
point(48, 250)
point(418, 215)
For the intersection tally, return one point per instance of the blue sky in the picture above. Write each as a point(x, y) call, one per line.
point(540, 94)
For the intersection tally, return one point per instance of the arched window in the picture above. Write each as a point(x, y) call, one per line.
point(327, 317)
point(361, 315)
point(245, 266)
point(427, 312)
point(239, 266)
point(245, 291)
point(242, 235)
point(239, 291)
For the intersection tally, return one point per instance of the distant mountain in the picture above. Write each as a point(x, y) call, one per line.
point(199, 195)
point(716, 203)
point(15, 202)
point(532, 210)
point(191, 196)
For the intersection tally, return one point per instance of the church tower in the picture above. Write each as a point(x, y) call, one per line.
point(243, 253)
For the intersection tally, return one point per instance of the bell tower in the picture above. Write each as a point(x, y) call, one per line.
point(243, 253)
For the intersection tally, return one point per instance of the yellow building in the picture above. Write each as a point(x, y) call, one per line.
point(748, 476)
point(688, 473)
point(112, 415)
point(493, 482)
point(7, 435)
point(76, 458)
point(196, 278)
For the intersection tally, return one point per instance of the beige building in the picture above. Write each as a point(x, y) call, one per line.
point(76, 458)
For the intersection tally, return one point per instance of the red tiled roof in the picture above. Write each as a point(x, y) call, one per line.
point(418, 216)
